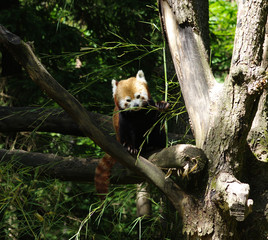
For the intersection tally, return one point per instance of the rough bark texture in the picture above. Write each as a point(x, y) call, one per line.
point(222, 115)
point(184, 157)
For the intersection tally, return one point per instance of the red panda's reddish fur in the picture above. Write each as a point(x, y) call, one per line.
point(103, 170)
point(102, 175)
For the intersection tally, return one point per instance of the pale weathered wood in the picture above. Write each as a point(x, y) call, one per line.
point(192, 69)
point(143, 202)
point(180, 156)
point(221, 115)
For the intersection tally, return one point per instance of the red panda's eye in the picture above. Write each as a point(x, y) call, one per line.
point(128, 100)
point(138, 96)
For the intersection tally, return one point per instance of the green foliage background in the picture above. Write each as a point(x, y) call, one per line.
point(111, 40)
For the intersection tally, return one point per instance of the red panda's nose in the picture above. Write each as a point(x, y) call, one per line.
point(136, 105)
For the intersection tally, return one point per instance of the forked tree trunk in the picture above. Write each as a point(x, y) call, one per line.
point(222, 115)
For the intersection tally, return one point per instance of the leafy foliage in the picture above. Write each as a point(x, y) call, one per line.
point(222, 30)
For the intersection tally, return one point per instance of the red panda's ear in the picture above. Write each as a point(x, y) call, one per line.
point(140, 76)
point(114, 86)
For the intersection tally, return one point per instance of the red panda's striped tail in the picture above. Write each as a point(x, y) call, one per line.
point(102, 175)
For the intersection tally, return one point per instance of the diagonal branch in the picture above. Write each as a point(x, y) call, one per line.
point(24, 55)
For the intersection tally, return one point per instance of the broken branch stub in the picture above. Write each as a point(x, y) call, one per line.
point(232, 195)
point(180, 156)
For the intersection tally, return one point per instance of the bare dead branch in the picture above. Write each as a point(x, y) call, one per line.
point(186, 48)
point(180, 156)
point(28, 119)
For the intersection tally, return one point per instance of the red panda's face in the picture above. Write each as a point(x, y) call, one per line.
point(131, 93)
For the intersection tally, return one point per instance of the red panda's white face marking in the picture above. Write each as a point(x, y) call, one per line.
point(132, 92)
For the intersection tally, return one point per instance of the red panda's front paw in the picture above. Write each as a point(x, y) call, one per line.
point(162, 105)
point(130, 149)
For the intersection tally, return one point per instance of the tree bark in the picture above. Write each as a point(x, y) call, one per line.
point(221, 114)
point(23, 119)
point(83, 169)
point(66, 168)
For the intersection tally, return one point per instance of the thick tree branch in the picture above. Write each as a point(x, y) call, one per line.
point(258, 137)
point(251, 20)
point(83, 169)
point(221, 114)
point(23, 119)
point(180, 156)
point(248, 55)
point(193, 13)
point(28, 119)
point(24, 55)
point(190, 61)
point(66, 168)
point(238, 103)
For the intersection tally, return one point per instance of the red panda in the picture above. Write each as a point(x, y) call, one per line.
point(135, 114)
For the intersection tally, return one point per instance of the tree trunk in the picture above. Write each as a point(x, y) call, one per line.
point(222, 116)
